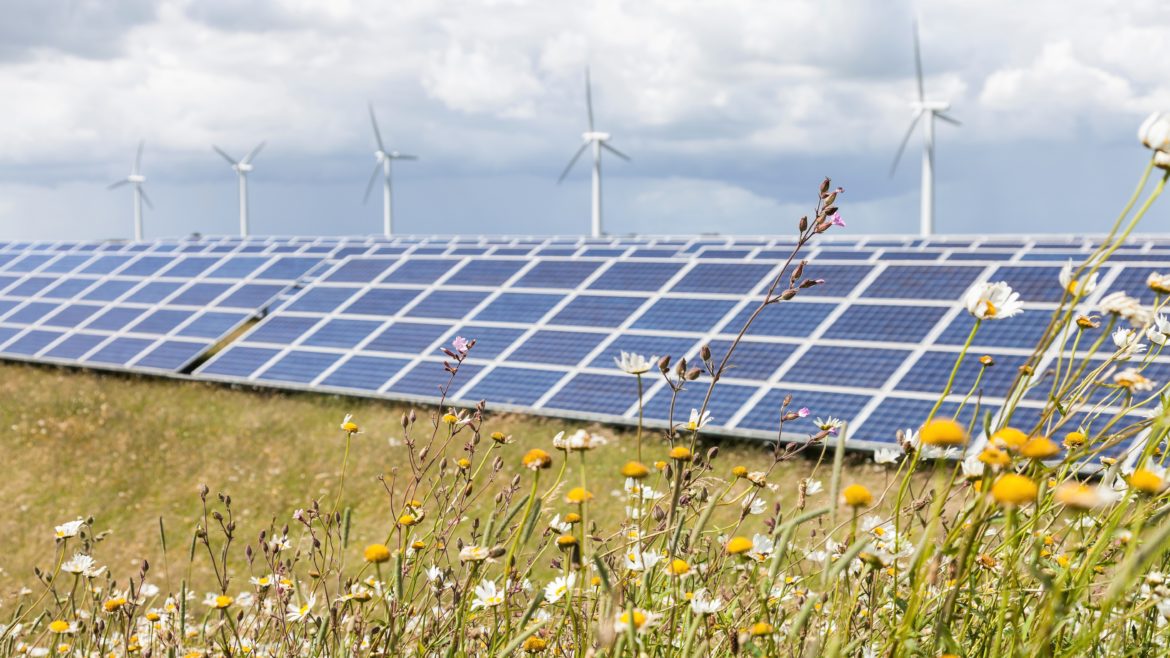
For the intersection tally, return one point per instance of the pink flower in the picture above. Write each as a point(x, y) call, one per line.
point(835, 219)
point(460, 344)
point(803, 412)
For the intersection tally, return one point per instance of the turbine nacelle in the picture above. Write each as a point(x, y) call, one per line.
point(242, 167)
point(136, 178)
point(930, 106)
point(592, 135)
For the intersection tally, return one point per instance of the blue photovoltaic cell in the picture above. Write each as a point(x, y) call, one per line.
point(486, 272)
point(145, 266)
point(73, 347)
point(280, 329)
point(189, 266)
point(108, 291)
point(839, 280)
point(846, 366)
point(153, 292)
point(342, 333)
point(512, 251)
point(894, 413)
point(161, 321)
point(172, 354)
point(72, 315)
point(646, 346)
point(120, 351)
point(380, 301)
point(407, 337)
point(1023, 330)
point(507, 385)
point(450, 304)
point(366, 373)
point(288, 268)
point(30, 312)
point(557, 347)
point(105, 264)
point(903, 324)
point(420, 271)
point(7, 305)
point(237, 267)
point(1035, 284)
point(765, 415)
point(426, 377)
point(518, 307)
point(1158, 372)
point(32, 342)
point(238, 361)
point(677, 314)
point(350, 251)
point(568, 251)
point(557, 274)
point(68, 288)
point(360, 270)
point(1132, 281)
point(251, 295)
point(28, 263)
point(628, 275)
point(843, 254)
point(603, 252)
point(932, 370)
point(597, 311)
point(736, 254)
point(212, 324)
point(299, 367)
point(490, 342)
point(321, 299)
point(947, 282)
point(751, 359)
point(726, 401)
point(894, 254)
point(793, 319)
point(114, 318)
point(600, 394)
point(200, 294)
point(30, 286)
point(66, 263)
point(729, 278)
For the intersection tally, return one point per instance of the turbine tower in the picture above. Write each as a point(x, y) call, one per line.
point(930, 110)
point(242, 167)
point(137, 179)
point(383, 158)
point(598, 140)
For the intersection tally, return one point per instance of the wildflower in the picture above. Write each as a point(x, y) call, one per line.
point(758, 478)
point(762, 547)
point(993, 301)
point(1014, 490)
point(639, 560)
point(1009, 438)
point(680, 453)
point(856, 495)
point(697, 420)
point(487, 595)
point(942, 432)
point(973, 467)
point(295, 613)
point(1121, 304)
point(60, 626)
point(501, 438)
point(812, 487)
point(559, 587)
point(348, 426)
point(760, 628)
point(739, 545)
point(835, 220)
point(463, 463)
point(217, 601)
point(886, 456)
point(755, 505)
point(408, 519)
point(566, 541)
point(534, 644)
point(1133, 381)
point(703, 604)
point(461, 344)
point(1147, 481)
point(635, 470)
point(1128, 343)
point(473, 553)
point(82, 565)
point(1040, 447)
point(578, 496)
point(739, 471)
point(1074, 439)
point(1159, 330)
point(536, 459)
point(634, 364)
point(450, 418)
point(1076, 495)
point(376, 553)
point(831, 425)
point(560, 526)
point(678, 567)
point(993, 456)
point(1159, 283)
point(1155, 132)
point(579, 441)
point(69, 529)
point(1075, 287)
point(639, 620)
point(114, 604)
point(572, 517)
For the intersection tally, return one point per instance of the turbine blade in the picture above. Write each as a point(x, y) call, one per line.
point(949, 119)
point(905, 140)
point(616, 152)
point(138, 158)
point(918, 64)
point(227, 157)
point(145, 198)
point(370, 185)
point(377, 133)
point(116, 185)
point(253, 153)
point(589, 98)
point(403, 156)
point(573, 162)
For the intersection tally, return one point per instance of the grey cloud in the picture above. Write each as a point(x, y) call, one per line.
point(93, 29)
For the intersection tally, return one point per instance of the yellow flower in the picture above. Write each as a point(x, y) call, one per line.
point(500, 437)
point(993, 456)
point(1077, 496)
point(578, 495)
point(349, 426)
point(1014, 489)
point(942, 432)
point(739, 545)
point(377, 553)
point(635, 470)
point(639, 619)
point(60, 626)
point(112, 605)
point(534, 644)
point(660, 464)
point(1146, 481)
point(678, 567)
point(450, 419)
point(566, 541)
point(681, 453)
point(536, 459)
point(407, 520)
point(222, 601)
point(1074, 440)
point(856, 495)
point(760, 628)
point(1009, 438)
point(463, 463)
point(418, 545)
point(1040, 447)
point(572, 517)
point(739, 471)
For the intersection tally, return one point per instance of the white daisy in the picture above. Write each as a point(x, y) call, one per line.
point(993, 301)
point(559, 587)
point(703, 604)
point(1076, 287)
point(886, 456)
point(634, 364)
point(70, 529)
point(487, 595)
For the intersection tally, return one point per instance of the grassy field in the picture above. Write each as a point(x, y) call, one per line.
point(129, 450)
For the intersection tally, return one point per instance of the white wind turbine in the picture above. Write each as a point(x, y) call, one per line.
point(383, 159)
point(930, 110)
point(242, 167)
point(598, 140)
point(137, 179)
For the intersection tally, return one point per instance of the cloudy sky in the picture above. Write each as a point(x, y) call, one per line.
point(731, 110)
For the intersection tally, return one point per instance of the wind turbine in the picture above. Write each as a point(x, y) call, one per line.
point(242, 167)
point(930, 110)
point(383, 159)
point(137, 179)
point(598, 140)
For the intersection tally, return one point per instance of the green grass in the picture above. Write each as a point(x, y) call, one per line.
point(128, 450)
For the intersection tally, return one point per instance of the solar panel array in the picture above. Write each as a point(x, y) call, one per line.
point(367, 316)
